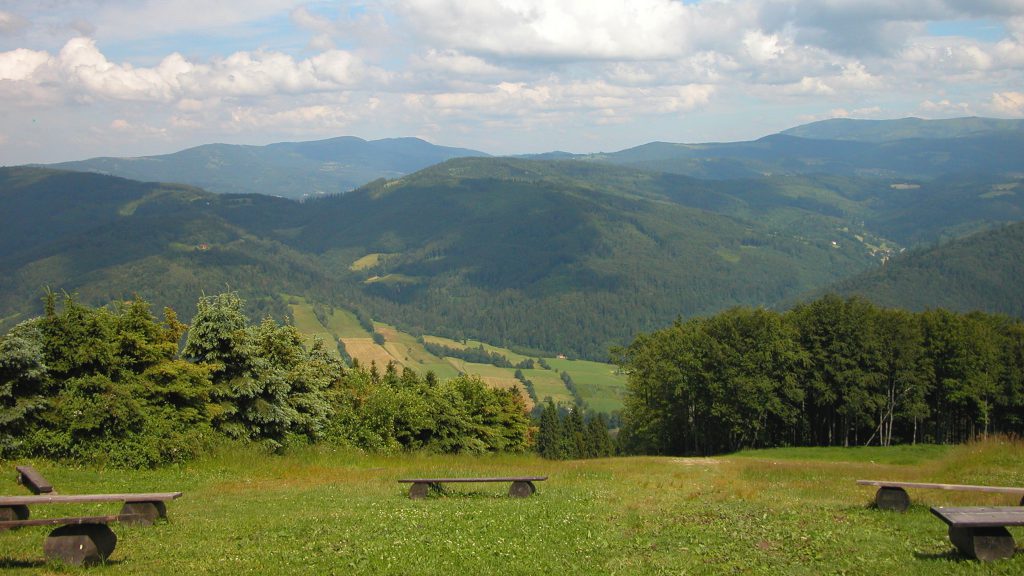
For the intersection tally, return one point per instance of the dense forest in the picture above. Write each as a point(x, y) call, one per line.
point(113, 385)
point(116, 385)
point(829, 372)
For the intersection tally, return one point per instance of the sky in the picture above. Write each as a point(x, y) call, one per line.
point(87, 78)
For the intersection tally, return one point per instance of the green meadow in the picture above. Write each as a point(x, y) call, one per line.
point(320, 511)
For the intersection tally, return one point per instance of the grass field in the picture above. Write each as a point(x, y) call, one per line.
point(307, 323)
point(600, 385)
point(323, 512)
point(547, 383)
point(345, 325)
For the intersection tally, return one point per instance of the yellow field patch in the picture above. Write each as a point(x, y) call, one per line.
point(506, 383)
point(368, 261)
point(364, 350)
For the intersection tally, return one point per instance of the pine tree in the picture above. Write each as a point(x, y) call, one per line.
point(549, 437)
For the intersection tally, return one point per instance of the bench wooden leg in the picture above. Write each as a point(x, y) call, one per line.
point(419, 490)
point(993, 543)
point(892, 498)
point(522, 489)
point(80, 544)
point(143, 513)
point(13, 513)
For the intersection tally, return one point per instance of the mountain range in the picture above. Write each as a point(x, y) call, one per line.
point(560, 253)
point(287, 169)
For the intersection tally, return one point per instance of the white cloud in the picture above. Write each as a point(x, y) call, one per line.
point(567, 29)
point(131, 129)
point(21, 64)
point(455, 62)
point(944, 107)
point(86, 72)
point(293, 119)
point(762, 47)
point(1008, 103)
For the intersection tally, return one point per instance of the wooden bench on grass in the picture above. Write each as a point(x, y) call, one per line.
point(522, 486)
point(83, 539)
point(30, 478)
point(980, 531)
point(893, 495)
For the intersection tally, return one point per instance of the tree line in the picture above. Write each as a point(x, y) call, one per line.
point(567, 435)
point(115, 385)
point(829, 372)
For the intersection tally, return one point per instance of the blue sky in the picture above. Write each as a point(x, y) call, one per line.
point(84, 78)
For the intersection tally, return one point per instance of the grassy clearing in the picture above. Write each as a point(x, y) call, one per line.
point(345, 325)
point(307, 323)
point(334, 512)
point(367, 262)
point(547, 383)
point(602, 387)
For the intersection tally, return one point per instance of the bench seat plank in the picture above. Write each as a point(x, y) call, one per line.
point(933, 486)
point(63, 521)
point(448, 480)
point(84, 498)
point(980, 516)
point(33, 480)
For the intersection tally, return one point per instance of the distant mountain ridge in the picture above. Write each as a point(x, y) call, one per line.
point(287, 169)
point(902, 129)
point(903, 148)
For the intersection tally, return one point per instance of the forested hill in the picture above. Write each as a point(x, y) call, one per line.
point(984, 271)
point(287, 169)
point(561, 255)
point(108, 238)
point(565, 257)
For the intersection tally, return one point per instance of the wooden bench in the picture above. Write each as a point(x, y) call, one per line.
point(522, 486)
point(980, 531)
point(30, 478)
point(893, 495)
point(83, 539)
point(141, 507)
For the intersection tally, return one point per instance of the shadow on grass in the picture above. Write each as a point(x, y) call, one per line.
point(447, 494)
point(951, 555)
point(954, 555)
point(6, 563)
point(10, 563)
